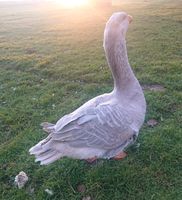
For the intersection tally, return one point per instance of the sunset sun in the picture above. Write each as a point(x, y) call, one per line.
point(73, 3)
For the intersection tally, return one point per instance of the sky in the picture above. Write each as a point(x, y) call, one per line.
point(12, 0)
point(25, 0)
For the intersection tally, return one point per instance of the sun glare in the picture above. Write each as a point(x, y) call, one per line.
point(73, 3)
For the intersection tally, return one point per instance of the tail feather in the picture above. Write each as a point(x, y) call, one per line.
point(45, 151)
point(45, 155)
point(39, 148)
point(48, 127)
point(51, 159)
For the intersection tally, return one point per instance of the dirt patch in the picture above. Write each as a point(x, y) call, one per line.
point(30, 51)
point(155, 88)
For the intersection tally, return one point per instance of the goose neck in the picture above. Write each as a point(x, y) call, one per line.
point(117, 58)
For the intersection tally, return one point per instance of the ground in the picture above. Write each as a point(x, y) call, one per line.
point(52, 61)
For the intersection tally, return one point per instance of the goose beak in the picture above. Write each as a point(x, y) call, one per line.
point(130, 18)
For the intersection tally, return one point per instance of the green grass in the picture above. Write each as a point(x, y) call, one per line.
point(52, 61)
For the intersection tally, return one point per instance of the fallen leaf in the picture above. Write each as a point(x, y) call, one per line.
point(81, 188)
point(86, 198)
point(30, 51)
point(152, 122)
point(50, 192)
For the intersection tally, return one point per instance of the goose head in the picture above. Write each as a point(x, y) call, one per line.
point(117, 26)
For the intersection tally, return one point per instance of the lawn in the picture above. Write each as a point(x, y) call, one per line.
point(52, 61)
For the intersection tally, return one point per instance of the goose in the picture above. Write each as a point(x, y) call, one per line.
point(106, 125)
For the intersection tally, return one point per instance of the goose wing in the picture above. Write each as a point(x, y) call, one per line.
point(104, 126)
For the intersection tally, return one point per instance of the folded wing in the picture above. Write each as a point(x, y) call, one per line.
point(104, 127)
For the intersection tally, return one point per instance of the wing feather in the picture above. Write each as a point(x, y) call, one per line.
point(104, 126)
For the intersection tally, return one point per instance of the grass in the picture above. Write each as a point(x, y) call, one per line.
point(51, 62)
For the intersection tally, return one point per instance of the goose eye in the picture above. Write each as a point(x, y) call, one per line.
point(124, 17)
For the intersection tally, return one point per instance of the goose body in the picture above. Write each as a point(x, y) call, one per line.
point(105, 125)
